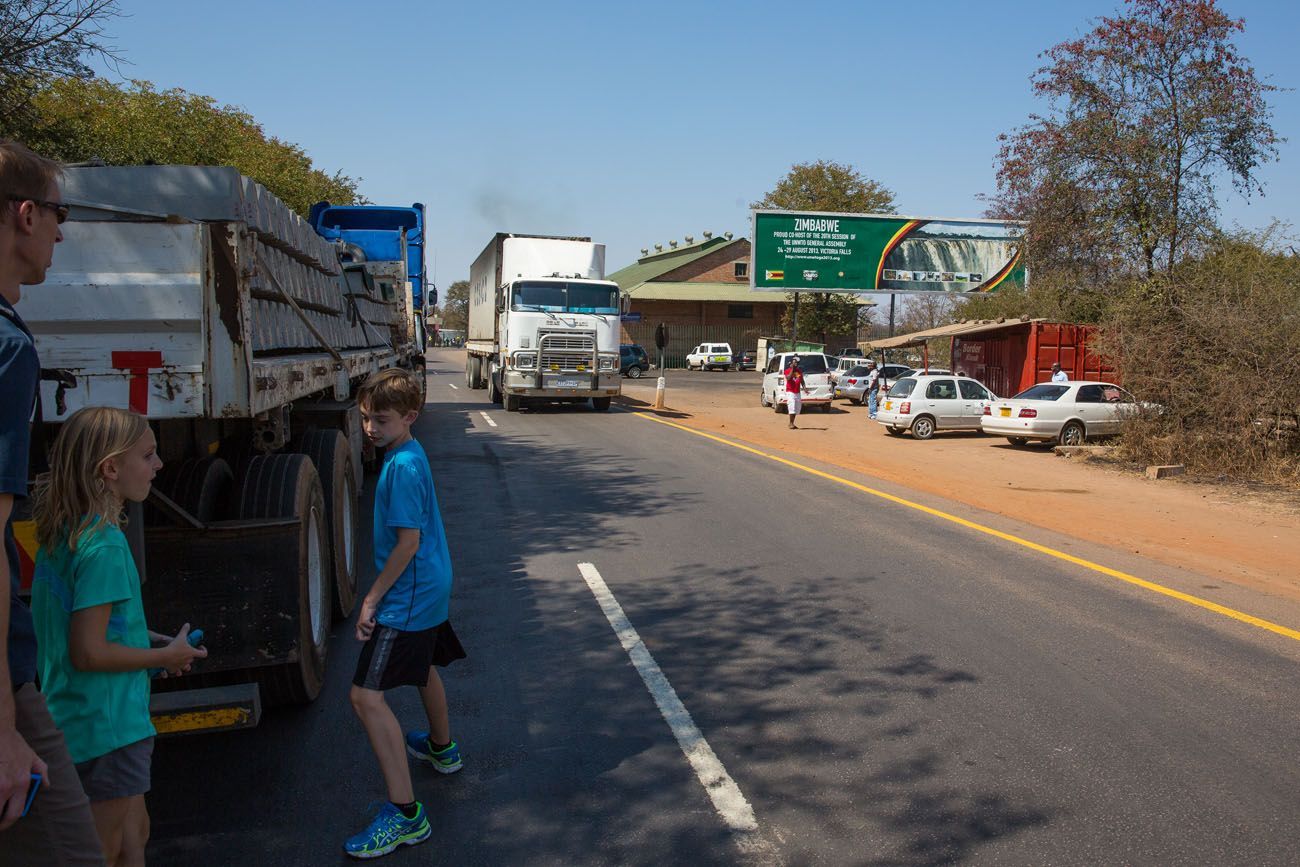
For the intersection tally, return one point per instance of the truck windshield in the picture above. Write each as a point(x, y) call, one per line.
point(562, 297)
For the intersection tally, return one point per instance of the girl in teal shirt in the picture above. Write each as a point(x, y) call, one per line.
point(93, 648)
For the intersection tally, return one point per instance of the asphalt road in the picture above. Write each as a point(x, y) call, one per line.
point(881, 685)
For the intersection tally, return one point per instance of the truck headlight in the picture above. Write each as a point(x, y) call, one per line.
point(607, 362)
point(525, 360)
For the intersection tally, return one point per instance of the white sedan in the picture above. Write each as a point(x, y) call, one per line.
point(1068, 412)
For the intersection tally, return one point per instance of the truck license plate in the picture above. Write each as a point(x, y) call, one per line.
point(569, 383)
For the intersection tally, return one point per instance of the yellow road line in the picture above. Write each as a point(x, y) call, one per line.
point(1007, 537)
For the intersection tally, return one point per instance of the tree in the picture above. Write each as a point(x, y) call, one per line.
point(76, 120)
point(827, 186)
point(455, 307)
point(1148, 113)
point(43, 38)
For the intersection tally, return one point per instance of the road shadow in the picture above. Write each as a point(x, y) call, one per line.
point(561, 766)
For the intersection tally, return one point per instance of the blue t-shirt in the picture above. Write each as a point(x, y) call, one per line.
point(404, 498)
point(20, 374)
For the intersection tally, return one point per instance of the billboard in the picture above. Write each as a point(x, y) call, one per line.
point(809, 251)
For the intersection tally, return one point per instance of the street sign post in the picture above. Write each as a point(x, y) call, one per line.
point(807, 251)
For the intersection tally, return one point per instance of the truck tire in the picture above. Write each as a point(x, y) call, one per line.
point(600, 404)
point(469, 371)
point(421, 341)
point(511, 402)
point(480, 370)
point(200, 486)
point(331, 453)
point(287, 486)
point(493, 386)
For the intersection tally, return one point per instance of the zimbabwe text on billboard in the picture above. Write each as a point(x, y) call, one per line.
point(806, 251)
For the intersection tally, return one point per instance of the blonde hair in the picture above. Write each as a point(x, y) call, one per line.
point(23, 173)
point(73, 496)
point(394, 390)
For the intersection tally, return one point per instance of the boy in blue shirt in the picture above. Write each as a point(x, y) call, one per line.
point(403, 618)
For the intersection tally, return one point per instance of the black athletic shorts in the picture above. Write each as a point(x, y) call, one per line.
point(392, 657)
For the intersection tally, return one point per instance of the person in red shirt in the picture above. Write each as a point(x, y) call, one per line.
point(794, 389)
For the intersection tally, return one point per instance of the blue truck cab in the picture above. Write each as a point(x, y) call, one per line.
point(383, 233)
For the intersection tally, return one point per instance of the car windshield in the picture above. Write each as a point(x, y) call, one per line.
point(810, 363)
point(563, 297)
point(860, 371)
point(1042, 391)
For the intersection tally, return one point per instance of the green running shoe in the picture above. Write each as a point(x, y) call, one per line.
point(389, 830)
point(445, 761)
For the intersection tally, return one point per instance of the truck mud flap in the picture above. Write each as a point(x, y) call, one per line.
point(235, 580)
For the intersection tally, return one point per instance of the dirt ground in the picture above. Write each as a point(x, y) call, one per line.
point(1246, 538)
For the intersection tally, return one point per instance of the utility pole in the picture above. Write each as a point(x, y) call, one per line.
point(892, 296)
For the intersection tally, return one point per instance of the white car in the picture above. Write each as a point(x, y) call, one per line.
point(1068, 412)
point(816, 380)
point(925, 404)
point(709, 356)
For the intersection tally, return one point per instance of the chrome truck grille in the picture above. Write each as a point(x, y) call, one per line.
point(566, 351)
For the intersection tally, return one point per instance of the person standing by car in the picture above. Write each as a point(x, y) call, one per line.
point(794, 389)
point(873, 385)
point(1058, 375)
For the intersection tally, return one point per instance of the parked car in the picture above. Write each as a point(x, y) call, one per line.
point(925, 371)
point(709, 356)
point(853, 384)
point(852, 351)
point(889, 374)
point(632, 360)
point(817, 380)
point(925, 404)
point(744, 359)
point(843, 365)
point(1068, 412)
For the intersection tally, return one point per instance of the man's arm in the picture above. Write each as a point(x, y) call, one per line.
point(17, 760)
point(408, 543)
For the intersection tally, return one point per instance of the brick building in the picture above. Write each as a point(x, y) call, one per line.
point(700, 290)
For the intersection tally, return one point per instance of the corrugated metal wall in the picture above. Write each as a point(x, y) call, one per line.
point(683, 338)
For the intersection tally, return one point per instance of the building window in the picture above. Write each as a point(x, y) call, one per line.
point(742, 272)
point(740, 311)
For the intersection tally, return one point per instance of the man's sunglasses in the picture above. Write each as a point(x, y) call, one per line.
point(60, 210)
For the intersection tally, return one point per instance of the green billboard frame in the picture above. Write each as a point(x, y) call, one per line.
point(819, 251)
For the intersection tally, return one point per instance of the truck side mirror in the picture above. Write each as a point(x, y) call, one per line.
point(501, 300)
point(431, 299)
point(626, 304)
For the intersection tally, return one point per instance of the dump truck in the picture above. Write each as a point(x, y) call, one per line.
point(195, 297)
point(543, 322)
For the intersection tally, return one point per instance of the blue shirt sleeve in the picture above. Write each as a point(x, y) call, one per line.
point(20, 373)
point(408, 500)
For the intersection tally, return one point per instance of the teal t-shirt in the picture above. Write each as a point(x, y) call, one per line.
point(404, 497)
point(98, 711)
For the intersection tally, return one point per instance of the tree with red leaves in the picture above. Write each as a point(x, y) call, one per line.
point(1150, 113)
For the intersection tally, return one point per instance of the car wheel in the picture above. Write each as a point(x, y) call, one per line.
point(923, 428)
point(762, 398)
point(893, 431)
point(634, 372)
point(1072, 434)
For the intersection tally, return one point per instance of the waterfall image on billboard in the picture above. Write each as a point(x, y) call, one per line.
point(953, 257)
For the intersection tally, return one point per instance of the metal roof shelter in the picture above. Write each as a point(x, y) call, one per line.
point(955, 329)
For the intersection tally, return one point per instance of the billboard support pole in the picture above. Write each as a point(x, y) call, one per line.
point(891, 314)
point(794, 341)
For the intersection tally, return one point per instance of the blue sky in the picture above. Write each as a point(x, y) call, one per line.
point(638, 124)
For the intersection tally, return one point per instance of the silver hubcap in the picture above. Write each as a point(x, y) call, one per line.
point(315, 579)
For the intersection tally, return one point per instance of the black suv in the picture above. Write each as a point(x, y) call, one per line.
point(632, 360)
point(743, 359)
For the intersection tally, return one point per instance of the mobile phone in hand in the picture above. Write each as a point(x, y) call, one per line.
point(31, 794)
